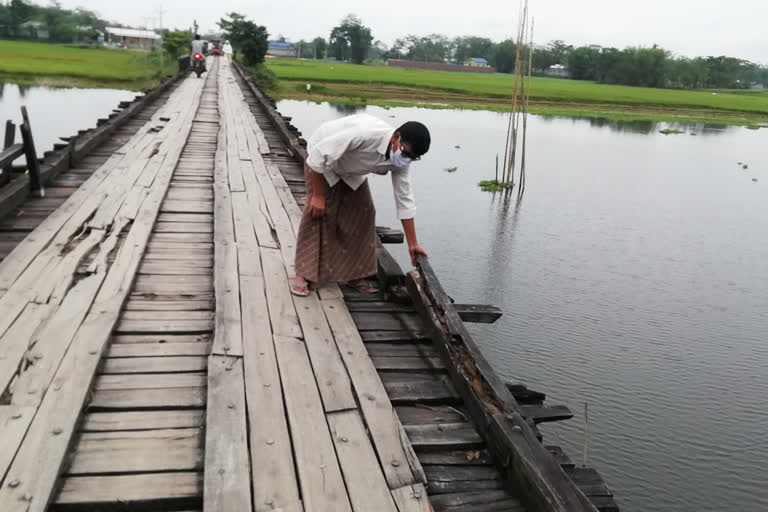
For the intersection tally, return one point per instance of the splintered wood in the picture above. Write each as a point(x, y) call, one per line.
point(57, 317)
point(151, 351)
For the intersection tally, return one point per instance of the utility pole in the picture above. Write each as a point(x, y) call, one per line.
point(160, 12)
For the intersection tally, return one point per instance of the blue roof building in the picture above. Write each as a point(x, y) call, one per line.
point(281, 49)
point(477, 62)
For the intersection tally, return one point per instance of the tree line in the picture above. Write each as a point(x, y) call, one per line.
point(653, 66)
point(62, 25)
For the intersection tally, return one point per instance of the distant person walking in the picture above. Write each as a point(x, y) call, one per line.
point(227, 49)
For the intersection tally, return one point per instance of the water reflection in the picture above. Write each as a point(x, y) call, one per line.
point(641, 127)
point(348, 109)
point(632, 275)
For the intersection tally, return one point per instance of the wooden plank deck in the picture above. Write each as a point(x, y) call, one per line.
point(152, 358)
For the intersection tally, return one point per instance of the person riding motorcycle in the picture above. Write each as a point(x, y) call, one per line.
point(197, 49)
point(197, 45)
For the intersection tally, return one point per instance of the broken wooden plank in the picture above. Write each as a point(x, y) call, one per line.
point(15, 343)
point(53, 340)
point(14, 422)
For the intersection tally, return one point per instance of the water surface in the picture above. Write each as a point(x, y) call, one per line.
point(56, 112)
point(633, 275)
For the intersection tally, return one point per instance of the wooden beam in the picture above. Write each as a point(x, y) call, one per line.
point(389, 272)
point(390, 236)
point(544, 414)
point(33, 165)
point(526, 464)
point(8, 155)
point(478, 313)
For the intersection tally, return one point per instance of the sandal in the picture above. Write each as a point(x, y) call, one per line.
point(363, 286)
point(300, 290)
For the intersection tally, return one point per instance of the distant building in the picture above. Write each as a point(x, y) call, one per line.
point(438, 66)
point(36, 29)
point(477, 62)
point(131, 38)
point(281, 49)
point(557, 70)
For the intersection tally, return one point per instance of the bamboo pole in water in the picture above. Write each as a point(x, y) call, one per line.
point(515, 115)
point(586, 433)
point(526, 102)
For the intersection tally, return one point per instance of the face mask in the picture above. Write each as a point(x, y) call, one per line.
point(398, 160)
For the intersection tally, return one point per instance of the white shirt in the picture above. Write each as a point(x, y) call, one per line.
point(349, 148)
point(197, 46)
point(227, 48)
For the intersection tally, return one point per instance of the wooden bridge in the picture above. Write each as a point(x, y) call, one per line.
point(153, 359)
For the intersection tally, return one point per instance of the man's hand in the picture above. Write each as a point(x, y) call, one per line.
point(415, 251)
point(317, 206)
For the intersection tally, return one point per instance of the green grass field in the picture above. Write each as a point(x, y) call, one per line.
point(40, 63)
point(380, 85)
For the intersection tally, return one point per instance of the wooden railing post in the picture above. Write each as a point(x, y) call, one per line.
point(10, 136)
point(33, 166)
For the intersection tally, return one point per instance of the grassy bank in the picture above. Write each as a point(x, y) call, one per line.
point(68, 66)
point(385, 86)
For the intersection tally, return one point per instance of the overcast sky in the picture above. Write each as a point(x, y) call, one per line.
point(686, 27)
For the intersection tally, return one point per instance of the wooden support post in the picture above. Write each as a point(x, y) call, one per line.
point(10, 136)
point(33, 166)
